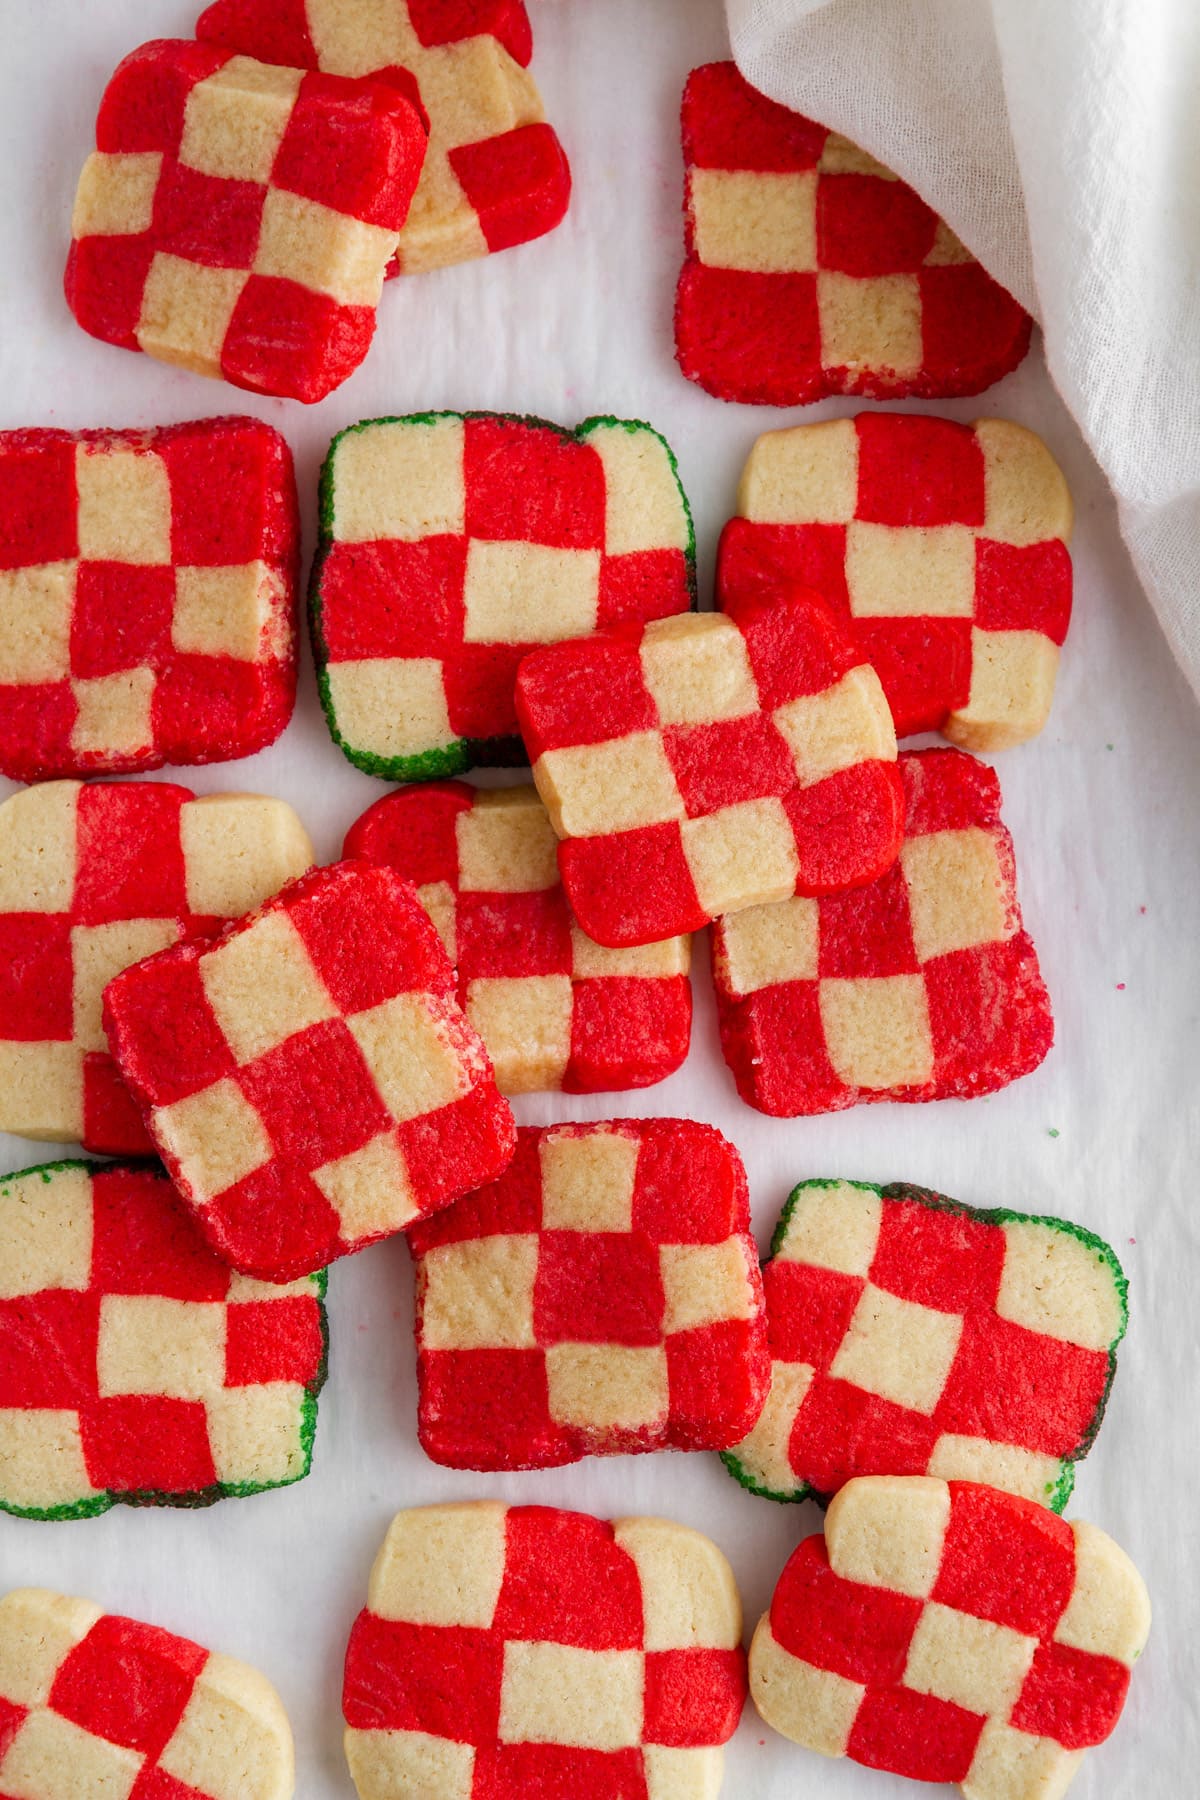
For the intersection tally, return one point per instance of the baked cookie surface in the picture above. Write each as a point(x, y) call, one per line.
point(93, 877)
point(308, 1076)
point(602, 1297)
point(135, 1366)
point(923, 986)
point(943, 547)
point(512, 1651)
point(147, 596)
point(215, 227)
point(705, 764)
point(811, 270)
point(453, 543)
point(950, 1632)
point(912, 1335)
point(554, 1009)
point(95, 1704)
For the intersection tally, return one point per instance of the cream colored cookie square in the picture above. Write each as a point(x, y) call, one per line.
point(233, 1741)
point(41, 1459)
point(1108, 1613)
point(238, 850)
point(705, 1283)
point(235, 120)
point(1009, 1763)
point(323, 250)
point(587, 1179)
point(644, 508)
point(519, 593)
point(255, 1432)
point(358, 37)
point(124, 512)
point(478, 1294)
point(833, 1225)
point(441, 1565)
point(263, 987)
point(806, 475)
point(841, 157)
point(744, 855)
point(402, 480)
point(1005, 1466)
point(1012, 688)
point(506, 844)
point(894, 571)
point(837, 729)
point(115, 196)
point(899, 1350)
point(390, 706)
point(408, 1049)
point(698, 669)
point(38, 1629)
point(689, 1597)
point(556, 1694)
point(370, 1189)
point(525, 1024)
point(877, 1030)
point(948, 251)
point(100, 952)
point(957, 895)
point(41, 1091)
point(226, 611)
point(969, 1662)
point(759, 222)
point(870, 324)
point(764, 1453)
point(607, 1387)
point(675, 1774)
point(37, 848)
point(151, 1345)
point(473, 90)
point(888, 1531)
point(45, 1233)
point(409, 1765)
point(36, 605)
point(1026, 499)
point(810, 1706)
point(439, 900)
point(216, 1137)
point(592, 961)
point(1059, 1284)
point(52, 1759)
point(186, 310)
point(764, 945)
point(113, 713)
point(591, 790)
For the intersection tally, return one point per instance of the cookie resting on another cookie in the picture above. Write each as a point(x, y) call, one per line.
point(912, 1335)
point(134, 1365)
point(951, 1633)
point(512, 1651)
point(308, 1077)
point(94, 877)
point(236, 218)
point(452, 543)
point(147, 596)
point(942, 546)
point(602, 1297)
point(923, 986)
point(709, 763)
point(554, 1009)
point(812, 270)
point(94, 1704)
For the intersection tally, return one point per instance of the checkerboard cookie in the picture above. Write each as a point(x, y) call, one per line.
point(94, 1704)
point(923, 986)
point(308, 1076)
point(953, 1633)
point(704, 764)
point(603, 1296)
point(943, 547)
point(94, 877)
point(495, 173)
point(451, 544)
point(513, 1651)
point(554, 1009)
point(147, 596)
point(135, 1366)
point(812, 270)
point(912, 1335)
point(217, 227)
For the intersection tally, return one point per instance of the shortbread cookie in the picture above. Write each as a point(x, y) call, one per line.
point(236, 217)
point(710, 763)
point(94, 877)
point(923, 986)
point(812, 270)
point(147, 596)
point(943, 547)
point(602, 1297)
point(495, 173)
point(308, 1077)
point(554, 1009)
point(507, 1652)
point(912, 1335)
point(97, 1705)
point(952, 1633)
point(134, 1365)
point(451, 544)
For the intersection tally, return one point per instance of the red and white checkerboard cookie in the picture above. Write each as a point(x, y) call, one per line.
point(602, 1297)
point(942, 546)
point(923, 986)
point(236, 218)
point(308, 1077)
point(812, 270)
point(91, 1703)
point(495, 173)
point(911, 1335)
point(134, 1365)
point(94, 877)
point(512, 1651)
point(451, 544)
point(951, 1632)
point(554, 1009)
point(710, 763)
point(147, 596)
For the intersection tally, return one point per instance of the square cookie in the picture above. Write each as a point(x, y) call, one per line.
point(147, 596)
point(811, 270)
point(943, 547)
point(554, 1009)
point(912, 1335)
point(217, 227)
point(522, 1650)
point(94, 877)
point(451, 544)
point(602, 1297)
point(308, 1076)
point(709, 763)
point(495, 173)
point(923, 986)
point(135, 1366)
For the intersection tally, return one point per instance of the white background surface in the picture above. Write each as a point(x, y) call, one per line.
point(1102, 808)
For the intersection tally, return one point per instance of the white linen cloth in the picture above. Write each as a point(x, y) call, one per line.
point(1061, 140)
